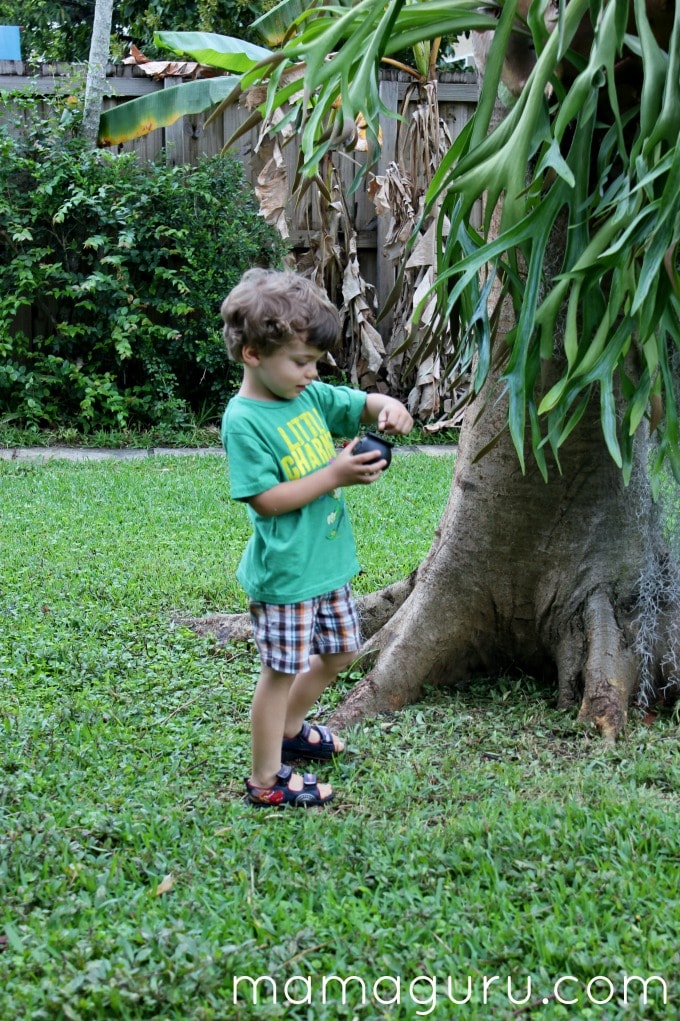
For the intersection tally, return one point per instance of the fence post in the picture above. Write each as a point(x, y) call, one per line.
point(175, 133)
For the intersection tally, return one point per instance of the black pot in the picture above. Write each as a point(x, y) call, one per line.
point(369, 441)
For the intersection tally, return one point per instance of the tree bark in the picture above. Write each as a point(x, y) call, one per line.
point(546, 578)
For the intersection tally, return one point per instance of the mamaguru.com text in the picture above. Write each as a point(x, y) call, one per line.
point(427, 992)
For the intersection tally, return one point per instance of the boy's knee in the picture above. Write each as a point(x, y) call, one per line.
point(338, 661)
point(272, 676)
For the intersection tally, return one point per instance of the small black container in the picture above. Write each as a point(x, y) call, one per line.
point(369, 441)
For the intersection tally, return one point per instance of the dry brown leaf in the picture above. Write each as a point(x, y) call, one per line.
point(424, 252)
point(391, 195)
point(450, 422)
point(372, 347)
point(271, 187)
point(165, 885)
point(136, 56)
point(167, 68)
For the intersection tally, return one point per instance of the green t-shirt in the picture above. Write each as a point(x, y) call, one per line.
point(306, 552)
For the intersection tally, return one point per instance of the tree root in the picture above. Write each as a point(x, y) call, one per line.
point(223, 627)
point(408, 657)
point(594, 661)
point(611, 670)
point(375, 610)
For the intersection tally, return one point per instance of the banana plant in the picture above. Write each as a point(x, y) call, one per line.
point(580, 150)
point(277, 24)
point(425, 136)
point(325, 109)
point(231, 57)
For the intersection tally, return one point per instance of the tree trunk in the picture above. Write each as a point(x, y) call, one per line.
point(568, 581)
point(95, 84)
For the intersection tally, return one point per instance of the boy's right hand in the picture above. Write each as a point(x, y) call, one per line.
point(358, 469)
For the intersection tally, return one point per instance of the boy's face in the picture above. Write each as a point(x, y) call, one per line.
point(282, 375)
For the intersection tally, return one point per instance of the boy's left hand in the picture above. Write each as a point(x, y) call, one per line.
point(394, 418)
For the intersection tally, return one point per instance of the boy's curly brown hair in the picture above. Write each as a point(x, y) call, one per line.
point(269, 308)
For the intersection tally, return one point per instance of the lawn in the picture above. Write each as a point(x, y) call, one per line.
point(486, 857)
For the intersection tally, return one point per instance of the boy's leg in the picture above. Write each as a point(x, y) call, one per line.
point(308, 686)
point(268, 713)
point(336, 640)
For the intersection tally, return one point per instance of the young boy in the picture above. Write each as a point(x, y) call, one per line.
point(299, 560)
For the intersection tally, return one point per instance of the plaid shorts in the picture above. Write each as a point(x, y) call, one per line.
point(287, 635)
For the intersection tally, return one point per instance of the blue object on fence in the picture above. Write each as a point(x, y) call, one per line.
point(10, 44)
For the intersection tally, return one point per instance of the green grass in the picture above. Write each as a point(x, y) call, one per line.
point(202, 432)
point(479, 833)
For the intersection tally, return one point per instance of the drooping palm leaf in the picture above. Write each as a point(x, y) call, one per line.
point(623, 226)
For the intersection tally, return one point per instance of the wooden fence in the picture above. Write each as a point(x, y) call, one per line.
point(184, 141)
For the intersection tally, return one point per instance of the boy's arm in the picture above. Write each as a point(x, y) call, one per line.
point(346, 470)
point(390, 414)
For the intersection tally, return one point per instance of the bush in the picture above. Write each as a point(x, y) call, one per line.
point(111, 278)
point(56, 31)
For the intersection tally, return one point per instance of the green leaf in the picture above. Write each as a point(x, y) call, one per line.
point(537, 441)
point(275, 24)
point(138, 117)
point(570, 422)
point(492, 72)
point(13, 938)
point(638, 405)
point(608, 417)
point(553, 159)
point(410, 29)
point(222, 51)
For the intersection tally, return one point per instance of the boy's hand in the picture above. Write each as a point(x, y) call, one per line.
point(357, 469)
point(390, 414)
point(347, 469)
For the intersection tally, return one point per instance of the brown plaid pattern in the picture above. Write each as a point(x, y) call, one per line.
point(287, 635)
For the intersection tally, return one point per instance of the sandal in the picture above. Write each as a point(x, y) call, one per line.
point(300, 747)
point(280, 793)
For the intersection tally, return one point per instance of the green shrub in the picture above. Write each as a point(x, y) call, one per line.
point(111, 278)
point(53, 31)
